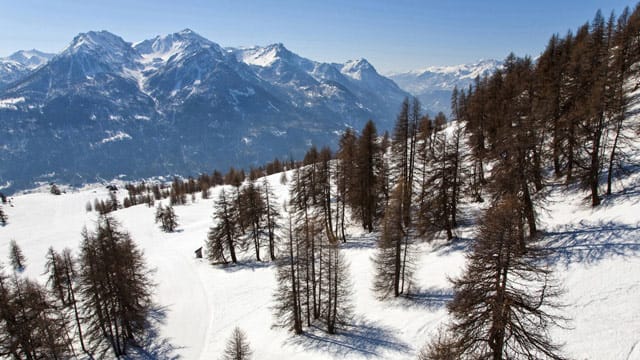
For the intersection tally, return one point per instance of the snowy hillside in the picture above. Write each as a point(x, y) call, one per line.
point(597, 258)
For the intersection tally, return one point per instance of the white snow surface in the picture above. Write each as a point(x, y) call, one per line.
point(597, 260)
point(10, 103)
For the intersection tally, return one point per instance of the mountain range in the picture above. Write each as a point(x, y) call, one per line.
point(433, 85)
point(174, 104)
point(182, 104)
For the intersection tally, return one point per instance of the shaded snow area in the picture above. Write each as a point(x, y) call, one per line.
point(597, 258)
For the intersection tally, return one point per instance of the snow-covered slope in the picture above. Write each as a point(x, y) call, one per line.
point(17, 65)
point(597, 258)
point(433, 85)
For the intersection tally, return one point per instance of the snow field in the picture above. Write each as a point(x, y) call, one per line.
point(598, 263)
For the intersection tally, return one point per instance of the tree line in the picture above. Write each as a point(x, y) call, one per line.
point(563, 118)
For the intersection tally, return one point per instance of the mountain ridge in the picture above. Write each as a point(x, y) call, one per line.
point(182, 103)
point(433, 85)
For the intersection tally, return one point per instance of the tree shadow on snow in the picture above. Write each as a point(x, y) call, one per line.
point(592, 242)
point(252, 265)
point(362, 337)
point(630, 193)
point(457, 244)
point(368, 241)
point(154, 346)
point(431, 299)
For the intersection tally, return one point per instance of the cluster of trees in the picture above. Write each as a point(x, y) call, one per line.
point(3, 217)
point(312, 274)
point(100, 299)
point(179, 190)
point(566, 112)
point(244, 215)
point(167, 218)
point(567, 109)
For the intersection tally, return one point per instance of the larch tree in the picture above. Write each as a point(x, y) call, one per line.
point(366, 197)
point(288, 307)
point(393, 257)
point(345, 175)
point(16, 257)
point(254, 214)
point(62, 282)
point(167, 218)
point(115, 288)
point(505, 301)
point(238, 347)
point(336, 307)
point(222, 236)
point(272, 215)
point(3, 217)
point(30, 325)
point(441, 183)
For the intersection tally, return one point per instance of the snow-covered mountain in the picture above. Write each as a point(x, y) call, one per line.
point(178, 103)
point(19, 64)
point(433, 85)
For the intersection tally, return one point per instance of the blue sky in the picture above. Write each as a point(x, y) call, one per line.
point(394, 35)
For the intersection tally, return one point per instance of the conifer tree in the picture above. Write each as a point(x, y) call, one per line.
point(271, 216)
point(366, 196)
point(222, 236)
point(16, 257)
point(504, 302)
point(61, 281)
point(336, 297)
point(393, 257)
point(288, 303)
point(31, 326)
point(441, 183)
point(345, 178)
point(237, 346)
point(167, 218)
point(254, 214)
point(115, 288)
point(3, 217)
